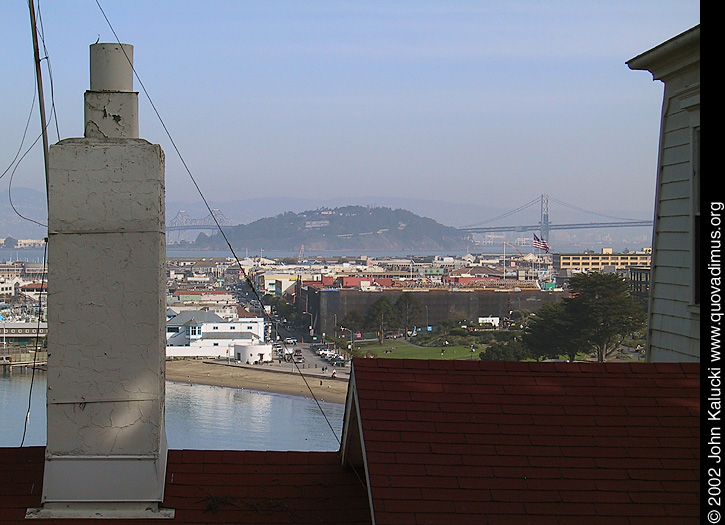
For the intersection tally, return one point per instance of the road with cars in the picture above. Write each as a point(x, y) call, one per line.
point(293, 345)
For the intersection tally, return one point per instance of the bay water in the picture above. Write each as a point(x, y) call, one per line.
point(197, 417)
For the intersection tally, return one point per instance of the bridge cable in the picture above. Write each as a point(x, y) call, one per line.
point(504, 215)
point(577, 208)
point(198, 189)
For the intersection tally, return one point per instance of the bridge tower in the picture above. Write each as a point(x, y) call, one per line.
point(544, 221)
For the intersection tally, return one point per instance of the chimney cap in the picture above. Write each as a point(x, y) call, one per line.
point(111, 67)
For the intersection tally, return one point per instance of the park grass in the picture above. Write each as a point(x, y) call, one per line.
point(406, 350)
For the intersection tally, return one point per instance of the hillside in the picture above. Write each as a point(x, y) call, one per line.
point(350, 227)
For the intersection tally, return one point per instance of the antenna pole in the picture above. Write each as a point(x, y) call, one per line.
point(41, 101)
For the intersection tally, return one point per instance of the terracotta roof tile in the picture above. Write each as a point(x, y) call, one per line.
point(215, 486)
point(490, 442)
point(458, 442)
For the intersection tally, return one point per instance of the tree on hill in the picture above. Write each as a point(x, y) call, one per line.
point(597, 318)
point(340, 228)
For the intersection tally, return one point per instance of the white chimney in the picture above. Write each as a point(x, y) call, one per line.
point(111, 105)
point(106, 447)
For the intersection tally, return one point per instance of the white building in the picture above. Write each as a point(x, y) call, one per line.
point(674, 303)
point(10, 287)
point(253, 353)
point(200, 333)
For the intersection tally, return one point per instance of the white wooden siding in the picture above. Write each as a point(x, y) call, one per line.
point(673, 328)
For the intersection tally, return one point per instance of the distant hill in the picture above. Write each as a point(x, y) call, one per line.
point(349, 227)
point(29, 203)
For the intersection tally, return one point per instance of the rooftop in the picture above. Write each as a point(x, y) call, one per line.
point(507, 442)
point(215, 486)
point(431, 441)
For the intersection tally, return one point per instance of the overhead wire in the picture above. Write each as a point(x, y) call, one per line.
point(208, 207)
point(22, 140)
point(41, 34)
point(37, 340)
point(15, 163)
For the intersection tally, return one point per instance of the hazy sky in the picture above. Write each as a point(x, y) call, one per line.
point(469, 102)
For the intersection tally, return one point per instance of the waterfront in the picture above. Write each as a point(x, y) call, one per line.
point(197, 417)
point(35, 255)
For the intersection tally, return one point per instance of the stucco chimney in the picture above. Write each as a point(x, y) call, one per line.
point(106, 445)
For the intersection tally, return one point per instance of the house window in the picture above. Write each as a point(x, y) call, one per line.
point(195, 330)
point(215, 328)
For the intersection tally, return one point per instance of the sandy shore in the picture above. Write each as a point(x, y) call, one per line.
point(260, 379)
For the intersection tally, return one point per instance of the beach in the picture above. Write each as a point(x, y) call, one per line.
point(259, 378)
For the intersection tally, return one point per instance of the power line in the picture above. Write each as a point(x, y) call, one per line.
point(37, 339)
point(44, 123)
point(208, 207)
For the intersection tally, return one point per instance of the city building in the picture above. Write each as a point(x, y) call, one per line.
point(201, 333)
point(10, 286)
point(423, 440)
point(22, 333)
point(325, 305)
point(594, 262)
point(638, 278)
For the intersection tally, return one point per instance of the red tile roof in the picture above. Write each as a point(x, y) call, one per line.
point(214, 486)
point(455, 442)
point(502, 442)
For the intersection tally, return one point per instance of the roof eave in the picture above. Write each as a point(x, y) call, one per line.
point(671, 56)
point(352, 443)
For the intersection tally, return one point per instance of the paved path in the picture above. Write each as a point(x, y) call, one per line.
point(313, 366)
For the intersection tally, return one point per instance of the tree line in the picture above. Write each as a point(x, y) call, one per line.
point(596, 319)
point(384, 316)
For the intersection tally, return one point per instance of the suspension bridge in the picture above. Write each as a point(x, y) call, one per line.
point(183, 222)
point(545, 226)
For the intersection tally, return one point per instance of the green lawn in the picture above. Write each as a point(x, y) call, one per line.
point(404, 350)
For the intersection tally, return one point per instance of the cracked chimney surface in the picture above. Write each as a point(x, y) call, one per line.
point(106, 447)
point(111, 105)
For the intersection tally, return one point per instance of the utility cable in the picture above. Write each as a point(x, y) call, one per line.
point(208, 207)
point(41, 33)
point(22, 141)
point(53, 116)
point(37, 339)
point(15, 164)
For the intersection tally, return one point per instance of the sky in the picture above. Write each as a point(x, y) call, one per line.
point(490, 102)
